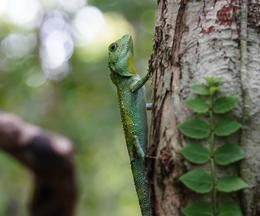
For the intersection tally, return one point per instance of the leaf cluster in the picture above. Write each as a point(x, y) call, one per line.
point(210, 121)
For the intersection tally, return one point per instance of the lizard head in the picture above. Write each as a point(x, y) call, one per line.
point(120, 57)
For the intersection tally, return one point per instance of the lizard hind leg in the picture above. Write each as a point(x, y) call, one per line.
point(138, 148)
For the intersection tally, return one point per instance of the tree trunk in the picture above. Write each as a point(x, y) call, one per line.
point(193, 40)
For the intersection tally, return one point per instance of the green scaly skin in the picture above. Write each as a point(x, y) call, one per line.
point(133, 113)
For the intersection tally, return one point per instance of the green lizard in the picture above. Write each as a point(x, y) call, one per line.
point(133, 113)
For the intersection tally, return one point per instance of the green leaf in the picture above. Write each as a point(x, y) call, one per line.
point(224, 104)
point(230, 209)
point(195, 128)
point(214, 81)
point(230, 184)
point(197, 180)
point(213, 89)
point(197, 105)
point(196, 153)
point(226, 127)
point(228, 153)
point(200, 89)
point(198, 209)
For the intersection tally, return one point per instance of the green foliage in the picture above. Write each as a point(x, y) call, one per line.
point(224, 104)
point(230, 184)
point(226, 127)
point(229, 209)
point(212, 121)
point(198, 181)
point(195, 128)
point(196, 153)
point(198, 209)
point(213, 82)
point(228, 154)
point(200, 89)
point(206, 209)
point(197, 105)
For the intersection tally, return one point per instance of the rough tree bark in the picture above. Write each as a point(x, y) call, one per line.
point(195, 39)
point(49, 158)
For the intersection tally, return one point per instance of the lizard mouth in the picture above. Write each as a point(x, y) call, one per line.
point(127, 37)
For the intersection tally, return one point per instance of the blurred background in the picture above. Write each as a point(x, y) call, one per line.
point(53, 73)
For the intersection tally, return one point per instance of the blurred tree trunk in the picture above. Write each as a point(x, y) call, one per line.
point(195, 39)
point(49, 157)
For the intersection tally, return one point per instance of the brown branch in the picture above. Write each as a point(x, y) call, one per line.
point(49, 157)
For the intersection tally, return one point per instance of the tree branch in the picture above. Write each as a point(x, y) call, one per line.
point(49, 157)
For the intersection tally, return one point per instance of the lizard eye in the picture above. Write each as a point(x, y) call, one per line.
point(113, 47)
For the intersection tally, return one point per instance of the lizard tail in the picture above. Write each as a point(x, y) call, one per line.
point(142, 188)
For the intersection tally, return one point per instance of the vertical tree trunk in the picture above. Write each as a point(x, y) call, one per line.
point(193, 40)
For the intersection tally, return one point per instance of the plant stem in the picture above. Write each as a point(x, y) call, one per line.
point(212, 162)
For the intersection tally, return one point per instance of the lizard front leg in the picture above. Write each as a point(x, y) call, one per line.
point(140, 83)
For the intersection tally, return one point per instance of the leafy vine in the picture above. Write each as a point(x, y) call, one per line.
point(209, 124)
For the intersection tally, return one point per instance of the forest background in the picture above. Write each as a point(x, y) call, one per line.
point(53, 73)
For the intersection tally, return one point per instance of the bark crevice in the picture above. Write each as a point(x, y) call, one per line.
point(168, 166)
